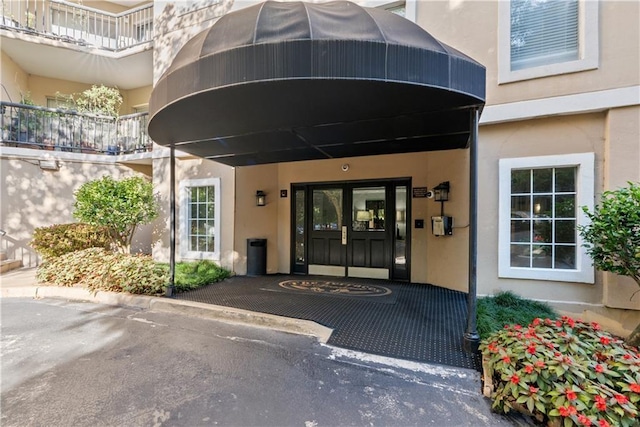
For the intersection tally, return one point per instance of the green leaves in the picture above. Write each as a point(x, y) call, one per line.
point(508, 308)
point(100, 100)
point(564, 372)
point(100, 270)
point(613, 236)
point(120, 206)
point(192, 275)
point(60, 239)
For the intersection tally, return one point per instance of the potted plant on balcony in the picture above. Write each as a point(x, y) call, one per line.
point(103, 101)
point(27, 125)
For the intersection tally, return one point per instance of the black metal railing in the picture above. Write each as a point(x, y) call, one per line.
point(31, 126)
point(78, 24)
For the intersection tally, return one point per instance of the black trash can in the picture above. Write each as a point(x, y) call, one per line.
point(256, 257)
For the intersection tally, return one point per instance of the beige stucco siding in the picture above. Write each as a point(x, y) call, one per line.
point(543, 137)
point(472, 28)
point(32, 197)
point(15, 80)
point(135, 98)
point(425, 170)
point(192, 168)
point(258, 222)
point(622, 164)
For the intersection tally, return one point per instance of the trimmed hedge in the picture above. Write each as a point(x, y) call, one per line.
point(60, 239)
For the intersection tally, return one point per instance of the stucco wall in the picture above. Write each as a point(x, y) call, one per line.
point(42, 88)
point(472, 28)
point(438, 260)
point(259, 222)
point(15, 81)
point(557, 135)
point(135, 98)
point(191, 168)
point(622, 164)
point(33, 197)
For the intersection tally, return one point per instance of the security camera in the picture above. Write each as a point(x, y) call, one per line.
point(345, 167)
point(430, 194)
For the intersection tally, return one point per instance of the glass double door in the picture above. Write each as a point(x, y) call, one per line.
point(351, 230)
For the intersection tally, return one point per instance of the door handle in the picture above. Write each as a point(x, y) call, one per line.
point(344, 234)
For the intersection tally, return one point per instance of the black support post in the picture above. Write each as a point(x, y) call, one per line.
point(172, 222)
point(471, 340)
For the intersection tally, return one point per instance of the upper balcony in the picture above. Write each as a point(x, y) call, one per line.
point(29, 126)
point(81, 25)
point(57, 39)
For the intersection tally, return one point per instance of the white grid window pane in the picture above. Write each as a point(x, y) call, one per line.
point(543, 218)
point(543, 32)
point(201, 218)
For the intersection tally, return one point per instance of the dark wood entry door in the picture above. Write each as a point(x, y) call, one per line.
point(350, 229)
point(327, 247)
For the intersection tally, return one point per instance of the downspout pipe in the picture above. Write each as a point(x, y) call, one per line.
point(171, 288)
point(471, 339)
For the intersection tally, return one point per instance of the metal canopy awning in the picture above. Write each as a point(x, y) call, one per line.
point(288, 81)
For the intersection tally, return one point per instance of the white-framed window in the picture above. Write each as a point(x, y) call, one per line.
point(61, 101)
point(540, 209)
point(539, 38)
point(399, 8)
point(200, 218)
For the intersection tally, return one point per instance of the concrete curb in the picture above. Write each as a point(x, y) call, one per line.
point(187, 308)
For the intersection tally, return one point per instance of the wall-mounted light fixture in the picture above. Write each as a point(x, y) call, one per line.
point(50, 165)
point(261, 198)
point(441, 194)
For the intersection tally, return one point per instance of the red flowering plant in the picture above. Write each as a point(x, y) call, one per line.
point(563, 372)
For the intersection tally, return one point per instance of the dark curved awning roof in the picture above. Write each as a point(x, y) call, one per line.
point(287, 81)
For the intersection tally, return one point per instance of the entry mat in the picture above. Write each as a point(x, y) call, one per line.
point(417, 322)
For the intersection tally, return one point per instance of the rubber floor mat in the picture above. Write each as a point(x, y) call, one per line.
point(417, 322)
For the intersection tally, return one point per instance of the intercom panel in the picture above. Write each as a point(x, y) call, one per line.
point(442, 225)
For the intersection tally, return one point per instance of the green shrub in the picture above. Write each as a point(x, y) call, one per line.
point(100, 270)
point(59, 239)
point(136, 274)
point(195, 274)
point(508, 308)
point(119, 205)
point(74, 268)
point(563, 372)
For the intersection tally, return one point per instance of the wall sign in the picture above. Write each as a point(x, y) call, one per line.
point(420, 192)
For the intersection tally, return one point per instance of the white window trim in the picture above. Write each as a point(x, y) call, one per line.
point(588, 45)
point(184, 197)
point(584, 272)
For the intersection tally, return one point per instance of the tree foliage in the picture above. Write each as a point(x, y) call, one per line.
point(100, 100)
point(613, 237)
point(121, 206)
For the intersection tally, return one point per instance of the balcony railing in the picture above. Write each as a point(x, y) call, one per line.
point(30, 126)
point(82, 25)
